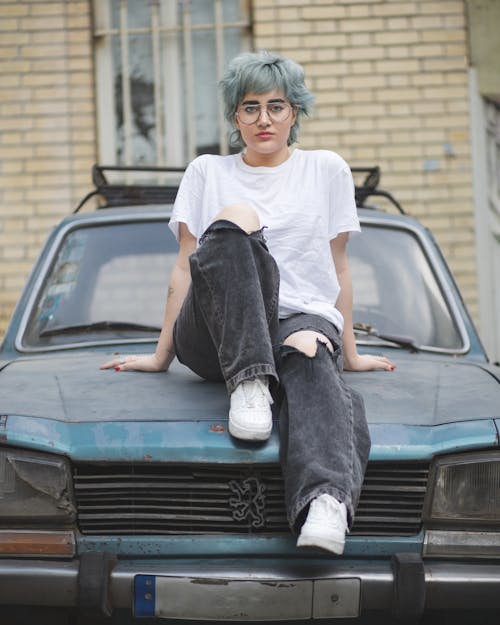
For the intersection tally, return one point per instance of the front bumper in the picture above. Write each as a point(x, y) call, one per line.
point(253, 589)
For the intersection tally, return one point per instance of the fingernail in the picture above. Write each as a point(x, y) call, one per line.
point(117, 369)
point(392, 368)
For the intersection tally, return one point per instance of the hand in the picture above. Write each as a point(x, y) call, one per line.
point(368, 362)
point(140, 362)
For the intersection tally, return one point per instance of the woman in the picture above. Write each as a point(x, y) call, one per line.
point(260, 296)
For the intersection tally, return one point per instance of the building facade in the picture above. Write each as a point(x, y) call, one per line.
point(398, 83)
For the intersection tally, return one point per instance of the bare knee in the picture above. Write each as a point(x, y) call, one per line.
point(242, 215)
point(305, 341)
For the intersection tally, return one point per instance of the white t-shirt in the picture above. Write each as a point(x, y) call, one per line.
point(302, 203)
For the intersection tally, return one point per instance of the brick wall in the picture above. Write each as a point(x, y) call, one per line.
point(390, 79)
point(47, 128)
point(391, 85)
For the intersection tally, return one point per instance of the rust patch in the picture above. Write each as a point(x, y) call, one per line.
point(217, 428)
point(3, 427)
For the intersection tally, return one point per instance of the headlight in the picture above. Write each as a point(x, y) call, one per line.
point(34, 488)
point(465, 490)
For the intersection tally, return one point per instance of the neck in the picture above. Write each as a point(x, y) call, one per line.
point(256, 159)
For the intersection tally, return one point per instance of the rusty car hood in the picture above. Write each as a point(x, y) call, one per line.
point(71, 388)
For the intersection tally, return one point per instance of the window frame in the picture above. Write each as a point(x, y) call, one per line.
point(175, 124)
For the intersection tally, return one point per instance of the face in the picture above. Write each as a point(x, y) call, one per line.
point(266, 139)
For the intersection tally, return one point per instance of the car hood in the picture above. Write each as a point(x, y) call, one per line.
point(71, 388)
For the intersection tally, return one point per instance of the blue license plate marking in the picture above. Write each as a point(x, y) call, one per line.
point(144, 595)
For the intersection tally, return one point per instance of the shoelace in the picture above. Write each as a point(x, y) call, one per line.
point(255, 392)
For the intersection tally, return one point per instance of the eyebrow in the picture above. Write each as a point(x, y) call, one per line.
point(268, 102)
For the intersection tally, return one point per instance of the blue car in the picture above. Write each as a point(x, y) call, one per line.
point(124, 499)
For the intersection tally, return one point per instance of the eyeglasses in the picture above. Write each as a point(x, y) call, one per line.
point(276, 111)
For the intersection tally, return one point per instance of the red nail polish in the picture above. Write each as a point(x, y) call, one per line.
point(117, 368)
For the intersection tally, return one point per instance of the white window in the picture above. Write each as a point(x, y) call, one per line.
point(158, 63)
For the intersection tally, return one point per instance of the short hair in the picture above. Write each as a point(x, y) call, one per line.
point(259, 72)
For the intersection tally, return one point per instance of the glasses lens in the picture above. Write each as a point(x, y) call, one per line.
point(277, 112)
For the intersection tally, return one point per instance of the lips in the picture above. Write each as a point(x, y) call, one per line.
point(264, 135)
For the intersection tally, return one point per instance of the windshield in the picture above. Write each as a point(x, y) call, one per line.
point(108, 283)
point(112, 278)
point(396, 291)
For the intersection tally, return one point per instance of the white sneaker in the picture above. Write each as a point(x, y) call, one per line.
point(250, 415)
point(325, 526)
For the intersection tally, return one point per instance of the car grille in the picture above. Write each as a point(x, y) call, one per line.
point(201, 499)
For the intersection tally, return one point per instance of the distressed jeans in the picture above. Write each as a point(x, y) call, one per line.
point(228, 330)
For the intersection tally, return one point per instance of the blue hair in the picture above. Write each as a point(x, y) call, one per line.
point(260, 72)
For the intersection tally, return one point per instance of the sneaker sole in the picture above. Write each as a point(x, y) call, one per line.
point(321, 542)
point(249, 435)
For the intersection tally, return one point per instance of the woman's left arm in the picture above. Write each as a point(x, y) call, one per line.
point(352, 360)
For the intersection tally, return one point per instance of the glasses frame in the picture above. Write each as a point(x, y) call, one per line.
point(263, 107)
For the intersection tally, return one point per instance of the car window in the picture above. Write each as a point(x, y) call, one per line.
point(395, 289)
point(112, 277)
point(115, 273)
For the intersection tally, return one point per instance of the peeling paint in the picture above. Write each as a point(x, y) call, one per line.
point(210, 582)
point(3, 427)
point(217, 428)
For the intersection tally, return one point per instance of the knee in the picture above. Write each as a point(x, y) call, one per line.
point(242, 215)
point(305, 341)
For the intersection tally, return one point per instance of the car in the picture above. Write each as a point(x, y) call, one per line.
point(124, 498)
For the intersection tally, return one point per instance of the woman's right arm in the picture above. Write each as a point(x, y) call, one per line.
point(178, 287)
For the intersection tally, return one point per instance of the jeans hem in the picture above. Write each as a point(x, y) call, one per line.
point(305, 501)
point(249, 373)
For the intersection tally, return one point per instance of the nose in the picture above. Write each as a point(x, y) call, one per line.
point(264, 120)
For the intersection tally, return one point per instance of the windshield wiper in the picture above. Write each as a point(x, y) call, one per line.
point(366, 329)
point(99, 326)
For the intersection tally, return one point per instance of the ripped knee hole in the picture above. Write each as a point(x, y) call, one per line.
point(306, 341)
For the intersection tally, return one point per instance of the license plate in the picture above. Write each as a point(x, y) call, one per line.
point(244, 600)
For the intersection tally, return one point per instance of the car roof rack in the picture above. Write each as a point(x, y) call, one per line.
point(369, 188)
point(124, 194)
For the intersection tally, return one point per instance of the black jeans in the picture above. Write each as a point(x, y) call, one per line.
point(228, 330)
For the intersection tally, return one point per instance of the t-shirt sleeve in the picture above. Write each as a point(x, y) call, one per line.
point(187, 204)
point(343, 211)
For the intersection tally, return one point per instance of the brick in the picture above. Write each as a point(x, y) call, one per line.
point(42, 80)
point(8, 9)
point(52, 37)
point(77, 7)
point(362, 25)
point(43, 23)
point(406, 65)
point(286, 14)
point(41, 51)
point(362, 82)
point(395, 9)
point(361, 67)
point(398, 52)
point(48, 8)
point(265, 28)
point(355, 11)
point(14, 66)
point(443, 36)
point(395, 37)
point(77, 22)
point(427, 50)
point(442, 8)
point(327, 12)
point(397, 23)
point(444, 64)
point(360, 53)
point(294, 27)
point(9, 25)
